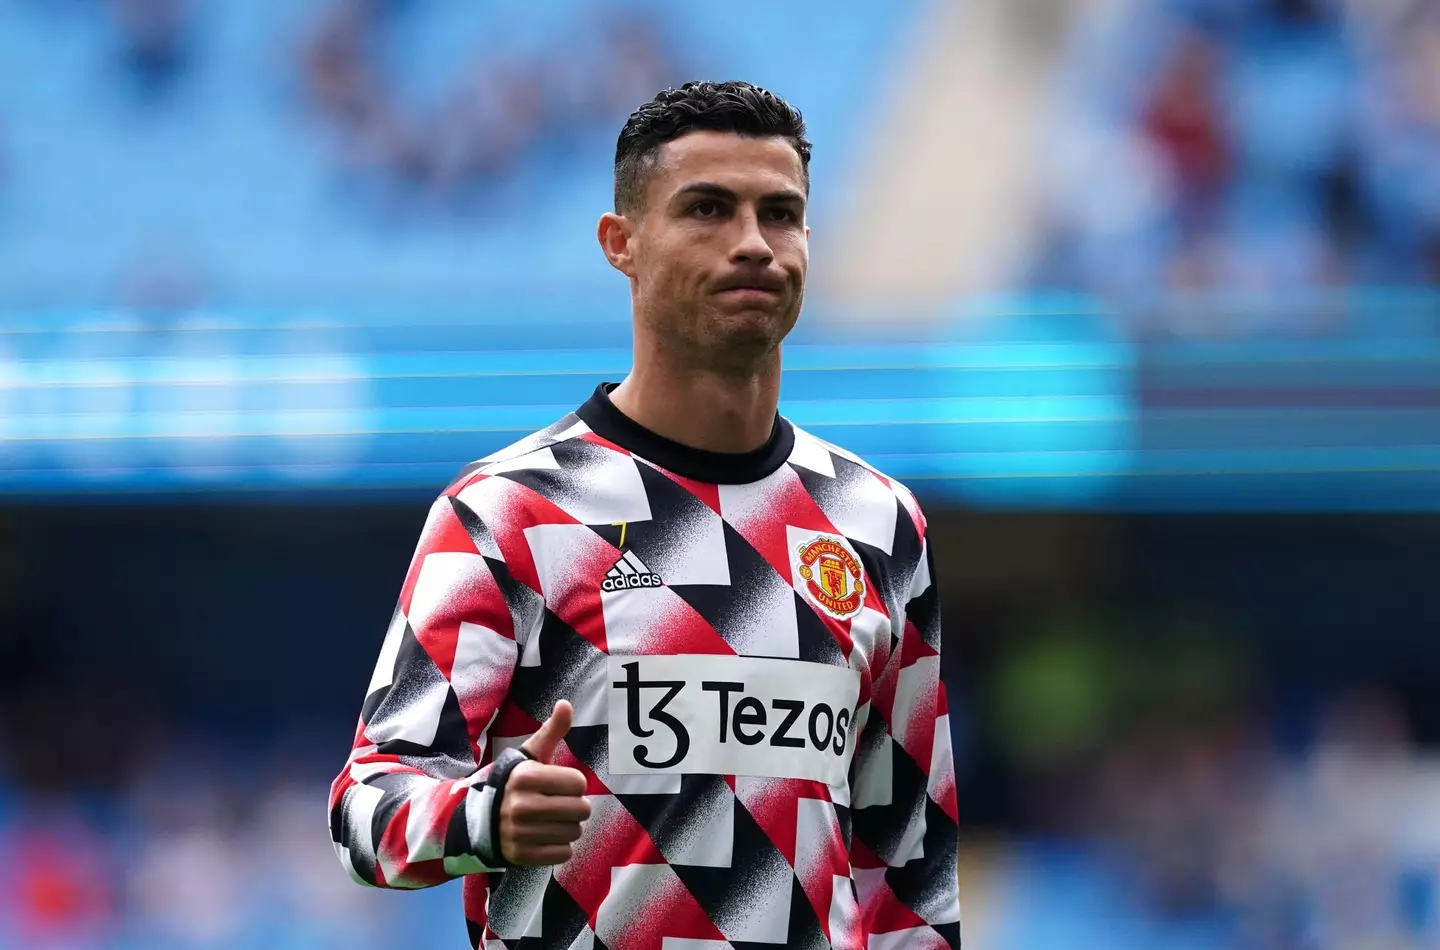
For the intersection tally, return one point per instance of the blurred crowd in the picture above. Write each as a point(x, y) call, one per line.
point(211, 847)
point(1155, 762)
point(342, 75)
point(155, 42)
point(1149, 760)
point(1270, 150)
point(499, 112)
point(1246, 148)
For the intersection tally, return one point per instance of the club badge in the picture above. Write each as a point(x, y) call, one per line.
point(833, 577)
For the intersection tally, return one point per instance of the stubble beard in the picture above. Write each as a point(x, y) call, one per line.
point(735, 344)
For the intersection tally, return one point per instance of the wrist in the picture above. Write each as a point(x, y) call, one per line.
point(488, 848)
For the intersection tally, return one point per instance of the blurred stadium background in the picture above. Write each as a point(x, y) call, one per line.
point(1139, 295)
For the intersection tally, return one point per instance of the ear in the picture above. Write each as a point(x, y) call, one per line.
point(616, 233)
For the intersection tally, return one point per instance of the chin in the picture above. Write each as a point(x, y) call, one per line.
point(748, 322)
point(747, 334)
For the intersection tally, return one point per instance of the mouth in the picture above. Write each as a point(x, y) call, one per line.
point(759, 290)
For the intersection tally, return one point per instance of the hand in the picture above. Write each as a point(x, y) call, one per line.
point(543, 804)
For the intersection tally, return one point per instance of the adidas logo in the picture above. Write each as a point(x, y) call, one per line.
point(628, 573)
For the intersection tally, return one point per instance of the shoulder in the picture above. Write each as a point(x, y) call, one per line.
point(519, 453)
point(848, 474)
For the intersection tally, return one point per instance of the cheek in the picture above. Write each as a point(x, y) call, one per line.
point(796, 255)
point(684, 267)
point(653, 268)
point(670, 277)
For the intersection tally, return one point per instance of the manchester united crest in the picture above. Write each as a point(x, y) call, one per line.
point(833, 577)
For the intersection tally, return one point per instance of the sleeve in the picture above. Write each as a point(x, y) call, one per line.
point(905, 821)
point(412, 807)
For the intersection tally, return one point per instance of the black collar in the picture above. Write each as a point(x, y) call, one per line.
point(720, 468)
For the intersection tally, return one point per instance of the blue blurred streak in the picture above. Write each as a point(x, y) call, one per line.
point(1049, 409)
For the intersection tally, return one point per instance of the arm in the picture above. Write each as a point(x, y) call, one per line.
point(905, 821)
point(412, 808)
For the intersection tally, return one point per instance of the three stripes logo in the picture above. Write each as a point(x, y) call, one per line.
point(628, 574)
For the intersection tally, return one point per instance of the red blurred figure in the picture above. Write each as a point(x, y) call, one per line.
point(1183, 122)
point(57, 886)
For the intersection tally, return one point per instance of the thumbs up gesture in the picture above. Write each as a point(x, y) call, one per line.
point(543, 804)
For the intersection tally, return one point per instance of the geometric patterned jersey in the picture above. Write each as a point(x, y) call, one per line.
point(751, 646)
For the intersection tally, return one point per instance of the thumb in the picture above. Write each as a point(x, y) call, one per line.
point(541, 745)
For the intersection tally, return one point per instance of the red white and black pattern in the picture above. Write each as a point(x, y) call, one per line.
point(506, 609)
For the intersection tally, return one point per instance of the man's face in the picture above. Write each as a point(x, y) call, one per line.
point(720, 249)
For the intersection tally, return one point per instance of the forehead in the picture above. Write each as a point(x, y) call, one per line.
point(744, 164)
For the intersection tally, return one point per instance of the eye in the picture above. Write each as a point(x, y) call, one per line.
point(780, 214)
point(708, 208)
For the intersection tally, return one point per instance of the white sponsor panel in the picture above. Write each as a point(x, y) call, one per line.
point(731, 715)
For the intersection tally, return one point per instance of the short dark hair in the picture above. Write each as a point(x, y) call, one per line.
point(734, 106)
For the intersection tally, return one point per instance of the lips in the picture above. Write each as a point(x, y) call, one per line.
point(752, 284)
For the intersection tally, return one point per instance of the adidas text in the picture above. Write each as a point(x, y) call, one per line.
point(629, 581)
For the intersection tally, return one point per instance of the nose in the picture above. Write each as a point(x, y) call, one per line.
point(750, 244)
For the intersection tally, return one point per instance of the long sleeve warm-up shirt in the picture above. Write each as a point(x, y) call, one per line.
point(751, 643)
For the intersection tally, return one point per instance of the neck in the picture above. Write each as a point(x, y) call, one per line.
point(699, 407)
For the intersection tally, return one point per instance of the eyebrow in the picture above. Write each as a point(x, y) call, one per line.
point(707, 189)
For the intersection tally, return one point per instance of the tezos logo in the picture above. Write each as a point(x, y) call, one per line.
point(731, 715)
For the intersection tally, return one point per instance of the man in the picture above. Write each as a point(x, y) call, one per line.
point(665, 675)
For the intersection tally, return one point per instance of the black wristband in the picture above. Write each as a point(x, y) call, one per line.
point(498, 778)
